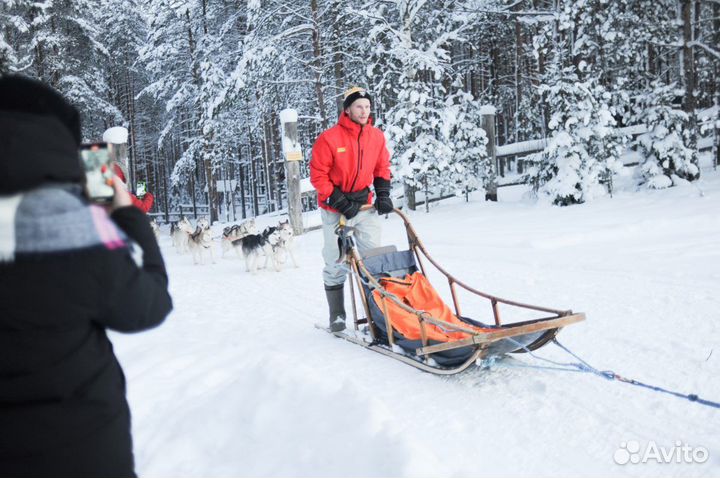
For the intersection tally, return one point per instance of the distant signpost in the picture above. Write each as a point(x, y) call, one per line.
point(293, 156)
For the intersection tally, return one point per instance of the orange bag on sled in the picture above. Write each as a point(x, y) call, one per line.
point(416, 291)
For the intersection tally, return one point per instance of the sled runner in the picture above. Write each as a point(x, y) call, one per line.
point(406, 319)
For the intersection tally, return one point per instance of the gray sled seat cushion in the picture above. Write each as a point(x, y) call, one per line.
point(389, 264)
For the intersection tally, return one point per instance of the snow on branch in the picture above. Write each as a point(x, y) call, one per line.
point(712, 51)
point(521, 147)
point(413, 11)
point(369, 16)
point(548, 15)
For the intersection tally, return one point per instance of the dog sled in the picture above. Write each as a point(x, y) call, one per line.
point(406, 319)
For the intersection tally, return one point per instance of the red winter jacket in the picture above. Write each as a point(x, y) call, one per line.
point(350, 157)
point(145, 203)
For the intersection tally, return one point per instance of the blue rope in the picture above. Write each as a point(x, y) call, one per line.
point(518, 364)
point(583, 366)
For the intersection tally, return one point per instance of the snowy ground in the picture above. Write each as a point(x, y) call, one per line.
point(238, 382)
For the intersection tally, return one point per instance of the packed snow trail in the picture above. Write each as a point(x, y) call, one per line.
point(239, 382)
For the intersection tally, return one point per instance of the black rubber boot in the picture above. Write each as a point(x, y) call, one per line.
point(336, 298)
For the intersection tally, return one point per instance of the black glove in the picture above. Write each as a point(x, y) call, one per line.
point(347, 208)
point(383, 203)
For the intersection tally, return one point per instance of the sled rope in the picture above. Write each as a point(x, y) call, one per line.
point(584, 367)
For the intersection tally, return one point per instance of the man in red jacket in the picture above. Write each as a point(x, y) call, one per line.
point(144, 202)
point(346, 160)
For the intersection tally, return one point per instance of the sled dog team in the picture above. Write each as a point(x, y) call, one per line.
point(274, 242)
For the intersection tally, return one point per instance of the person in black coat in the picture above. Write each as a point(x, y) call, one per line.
point(67, 274)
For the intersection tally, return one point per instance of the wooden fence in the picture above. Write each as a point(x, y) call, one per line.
point(521, 149)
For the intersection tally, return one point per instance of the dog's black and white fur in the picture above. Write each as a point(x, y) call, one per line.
point(253, 245)
point(155, 228)
point(236, 231)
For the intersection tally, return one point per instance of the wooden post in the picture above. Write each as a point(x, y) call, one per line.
point(488, 124)
point(293, 156)
point(410, 197)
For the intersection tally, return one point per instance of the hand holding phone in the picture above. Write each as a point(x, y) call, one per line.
point(97, 163)
point(140, 189)
point(122, 197)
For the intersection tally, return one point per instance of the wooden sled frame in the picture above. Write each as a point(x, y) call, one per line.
point(479, 340)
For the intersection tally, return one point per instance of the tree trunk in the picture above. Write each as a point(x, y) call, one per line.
point(716, 81)
point(132, 149)
point(651, 64)
point(254, 178)
point(212, 199)
point(518, 78)
point(337, 56)
point(278, 156)
point(165, 191)
point(688, 70)
point(241, 178)
point(317, 64)
point(232, 193)
point(192, 191)
point(688, 62)
point(269, 181)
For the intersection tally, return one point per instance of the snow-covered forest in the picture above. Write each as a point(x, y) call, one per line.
point(200, 83)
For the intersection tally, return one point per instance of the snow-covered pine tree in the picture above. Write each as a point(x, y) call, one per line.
point(668, 159)
point(123, 31)
point(470, 166)
point(14, 27)
point(59, 42)
point(651, 88)
point(707, 51)
point(409, 51)
point(577, 157)
point(167, 59)
point(582, 150)
point(423, 156)
point(187, 59)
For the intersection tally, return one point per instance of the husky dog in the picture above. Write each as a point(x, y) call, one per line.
point(180, 232)
point(253, 245)
point(283, 248)
point(155, 228)
point(203, 223)
point(200, 241)
point(237, 231)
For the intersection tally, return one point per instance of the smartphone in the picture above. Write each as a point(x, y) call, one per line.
point(140, 188)
point(97, 161)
